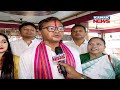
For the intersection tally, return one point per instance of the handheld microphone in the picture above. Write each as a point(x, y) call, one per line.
point(59, 51)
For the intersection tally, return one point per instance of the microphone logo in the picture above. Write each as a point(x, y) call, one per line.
point(59, 57)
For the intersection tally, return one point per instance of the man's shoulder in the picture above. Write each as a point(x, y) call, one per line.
point(36, 41)
point(68, 43)
point(16, 41)
point(29, 51)
point(72, 49)
point(65, 42)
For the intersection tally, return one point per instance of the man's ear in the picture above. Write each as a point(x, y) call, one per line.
point(39, 32)
point(87, 32)
point(105, 47)
point(87, 36)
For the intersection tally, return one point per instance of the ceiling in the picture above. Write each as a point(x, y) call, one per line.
point(67, 17)
point(35, 16)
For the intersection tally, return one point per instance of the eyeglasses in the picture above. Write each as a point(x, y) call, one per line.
point(53, 28)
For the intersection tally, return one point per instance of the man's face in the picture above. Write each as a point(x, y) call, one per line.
point(78, 33)
point(52, 31)
point(28, 31)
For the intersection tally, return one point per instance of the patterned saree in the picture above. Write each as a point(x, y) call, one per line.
point(99, 68)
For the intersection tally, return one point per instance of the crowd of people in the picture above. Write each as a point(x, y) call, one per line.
point(31, 58)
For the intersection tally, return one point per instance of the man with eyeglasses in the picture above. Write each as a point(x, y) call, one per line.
point(37, 62)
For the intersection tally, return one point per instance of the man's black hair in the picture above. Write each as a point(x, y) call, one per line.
point(78, 25)
point(26, 24)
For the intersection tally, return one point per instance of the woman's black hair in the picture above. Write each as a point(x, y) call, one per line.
point(97, 38)
point(8, 64)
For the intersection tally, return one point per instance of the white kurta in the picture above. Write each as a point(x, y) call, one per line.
point(81, 49)
point(19, 46)
point(26, 65)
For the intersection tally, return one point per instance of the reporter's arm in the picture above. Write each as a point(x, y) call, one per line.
point(71, 72)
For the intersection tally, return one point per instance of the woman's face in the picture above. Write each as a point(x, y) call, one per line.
point(96, 46)
point(3, 44)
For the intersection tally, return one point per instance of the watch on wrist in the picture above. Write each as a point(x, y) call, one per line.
point(83, 77)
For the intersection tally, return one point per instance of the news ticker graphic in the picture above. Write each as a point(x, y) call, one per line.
point(59, 57)
point(101, 19)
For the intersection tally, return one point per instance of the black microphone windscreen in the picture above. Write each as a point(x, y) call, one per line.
point(58, 50)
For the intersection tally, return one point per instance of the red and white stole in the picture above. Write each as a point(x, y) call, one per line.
point(42, 68)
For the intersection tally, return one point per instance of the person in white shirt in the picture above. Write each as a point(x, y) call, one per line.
point(78, 34)
point(28, 33)
point(37, 62)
